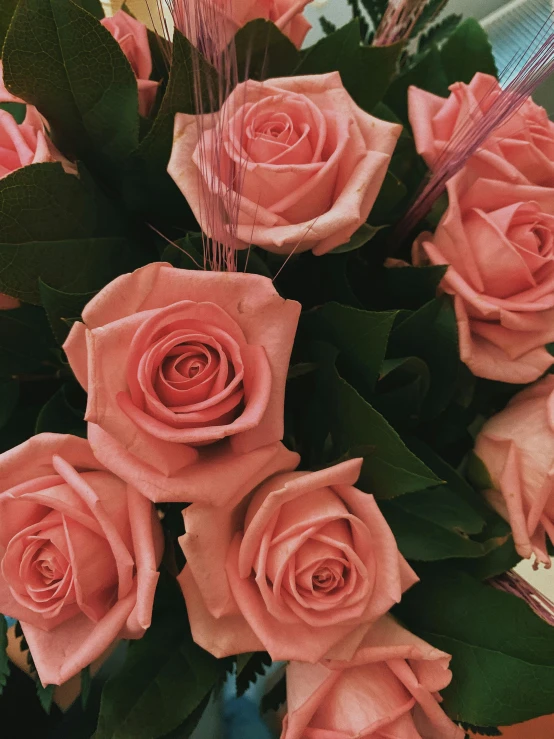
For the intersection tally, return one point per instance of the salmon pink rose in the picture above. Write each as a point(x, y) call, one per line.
point(296, 163)
point(498, 239)
point(24, 143)
point(517, 448)
point(79, 550)
point(132, 36)
point(8, 303)
point(388, 690)
point(226, 17)
point(520, 150)
point(185, 372)
point(301, 568)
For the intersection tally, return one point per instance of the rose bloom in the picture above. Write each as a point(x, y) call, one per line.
point(185, 372)
point(25, 143)
point(223, 18)
point(79, 550)
point(7, 302)
point(521, 150)
point(517, 447)
point(498, 238)
point(132, 36)
point(300, 568)
point(307, 161)
point(388, 690)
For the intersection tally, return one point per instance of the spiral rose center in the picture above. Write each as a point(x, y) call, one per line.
point(329, 577)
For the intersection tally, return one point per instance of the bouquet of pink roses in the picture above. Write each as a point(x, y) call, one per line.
point(276, 330)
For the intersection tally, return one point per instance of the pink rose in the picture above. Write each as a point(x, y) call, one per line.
point(310, 563)
point(229, 16)
point(132, 36)
point(521, 150)
point(308, 162)
point(7, 302)
point(389, 689)
point(185, 373)
point(498, 238)
point(25, 143)
point(79, 550)
point(517, 447)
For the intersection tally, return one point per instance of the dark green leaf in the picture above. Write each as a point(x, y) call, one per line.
point(502, 653)
point(49, 52)
point(86, 683)
point(94, 7)
point(276, 696)
point(431, 333)
point(4, 661)
point(9, 395)
point(18, 111)
point(250, 667)
point(360, 336)
point(148, 187)
point(26, 344)
point(263, 51)
point(186, 253)
point(358, 239)
point(58, 416)
point(61, 307)
point(439, 32)
point(326, 26)
point(72, 266)
point(430, 12)
point(407, 287)
point(427, 73)
point(467, 51)
point(165, 678)
point(391, 469)
point(7, 9)
point(366, 71)
point(375, 9)
point(45, 695)
point(481, 730)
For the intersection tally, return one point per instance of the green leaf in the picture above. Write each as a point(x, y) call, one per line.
point(502, 653)
point(86, 683)
point(7, 9)
point(276, 696)
point(407, 287)
point(59, 416)
point(18, 111)
point(165, 678)
point(359, 238)
point(26, 344)
point(439, 32)
point(263, 51)
point(391, 469)
point(427, 73)
point(62, 308)
point(4, 661)
point(45, 695)
point(430, 12)
point(49, 52)
point(250, 667)
point(9, 395)
point(366, 71)
point(467, 51)
point(94, 7)
point(186, 253)
point(431, 333)
point(375, 9)
point(41, 202)
point(148, 187)
point(72, 266)
point(360, 336)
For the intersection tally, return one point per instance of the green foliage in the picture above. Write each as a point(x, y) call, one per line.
point(430, 12)
point(18, 111)
point(427, 73)
point(7, 9)
point(250, 667)
point(4, 661)
point(165, 678)
point(62, 308)
point(94, 7)
point(467, 52)
point(276, 696)
point(263, 51)
point(26, 344)
point(375, 9)
point(342, 51)
point(45, 695)
point(439, 32)
point(326, 26)
point(502, 653)
point(47, 61)
point(61, 414)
